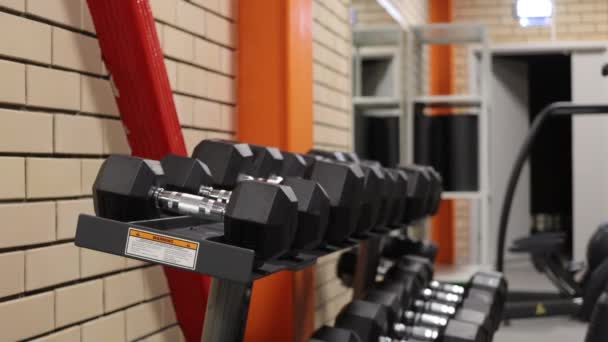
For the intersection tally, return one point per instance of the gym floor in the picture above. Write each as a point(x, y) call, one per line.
point(522, 275)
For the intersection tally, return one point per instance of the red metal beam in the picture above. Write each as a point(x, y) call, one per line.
point(133, 56)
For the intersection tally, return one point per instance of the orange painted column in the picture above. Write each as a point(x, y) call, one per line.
point(275, 109)
point(441, 83)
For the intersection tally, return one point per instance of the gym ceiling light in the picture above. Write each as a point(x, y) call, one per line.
point(534, 12)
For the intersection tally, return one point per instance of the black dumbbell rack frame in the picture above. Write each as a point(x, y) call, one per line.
point(233, 268)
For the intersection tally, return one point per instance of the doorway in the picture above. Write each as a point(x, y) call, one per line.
point(523, 79)
point(522, 86)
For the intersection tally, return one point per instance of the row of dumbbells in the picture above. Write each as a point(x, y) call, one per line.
point(272, 202)
point(408, 306)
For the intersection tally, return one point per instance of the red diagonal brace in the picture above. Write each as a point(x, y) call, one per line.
point(133, 56)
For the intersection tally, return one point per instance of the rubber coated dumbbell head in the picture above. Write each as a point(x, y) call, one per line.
point(225, 159)
point(330, 334)
point(477, 318)
point(401, 290)
point(368, 320)
point(493, 282)
point(411, 275)
point(458, 331)
point(598, 329)
point(391, 302)
point(400, 206)
point(437, 189)
point(418, 192)
point(294, 165)
point(385, 190)
point(333, 155)
point(263, 219)
point(313, 212)
point(371, 199)
point(185, 174)
point(121, 189)
point(267, 161)
point(420, 264)
point(351, 157)
point(492, 287)
point(597, 248)
point(428, 200)
point(415, 193)
point(343, 183)
point(400, 197)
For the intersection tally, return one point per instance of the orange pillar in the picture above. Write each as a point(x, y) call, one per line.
point(275, 108)
point(441, 83)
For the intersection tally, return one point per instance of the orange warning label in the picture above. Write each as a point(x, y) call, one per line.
point(162, 248)
point(163, 239)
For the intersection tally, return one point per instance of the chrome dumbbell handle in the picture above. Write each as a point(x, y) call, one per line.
point(444, 297)
point(216, 194)
point(451, 288)
point(224, 195)
point(425, 319)
point(433, 307)
point(186, 204)
point(406, 332)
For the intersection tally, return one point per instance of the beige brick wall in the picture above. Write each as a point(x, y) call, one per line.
point(331, 295)
point(332, 74)
point(58, 120)
point(369, 12)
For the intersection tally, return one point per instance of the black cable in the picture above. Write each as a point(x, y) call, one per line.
point(556, 108)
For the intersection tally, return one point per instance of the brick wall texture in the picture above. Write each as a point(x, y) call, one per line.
point(369, 12)
point(332, 74)
point(58, 120)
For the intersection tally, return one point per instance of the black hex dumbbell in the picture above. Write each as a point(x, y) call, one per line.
point(485, 290)
point(331, 334)
point(371, 322)
point(373, 188)
point(260, 216)
point(400, 317)
point(399, 208)
point(414, 288)
point(424, 302)
point(419, 192)
point(598, 329)
point(436, 190)
point(344, 184)
point(486, 303)
point(193, 176)
point(385, 194)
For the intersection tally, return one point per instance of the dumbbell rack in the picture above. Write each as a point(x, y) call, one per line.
point(196, 245)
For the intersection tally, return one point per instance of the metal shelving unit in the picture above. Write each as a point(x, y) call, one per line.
point(384, 46)
point(475, 103)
